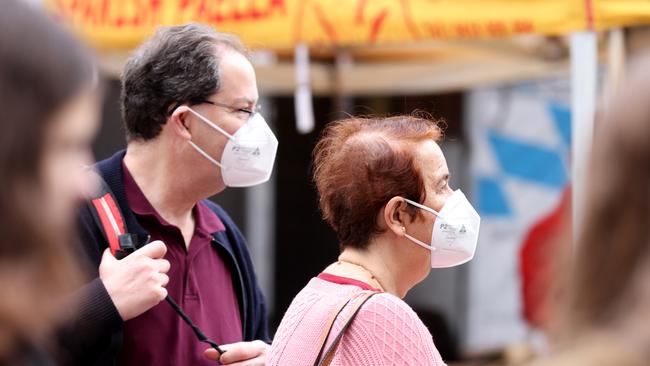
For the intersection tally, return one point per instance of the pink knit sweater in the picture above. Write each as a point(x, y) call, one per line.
point(385, 332)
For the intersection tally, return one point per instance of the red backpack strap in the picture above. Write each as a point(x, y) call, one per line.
point(109, 218)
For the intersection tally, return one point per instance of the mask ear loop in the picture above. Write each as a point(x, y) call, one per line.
point(420, 243)
point(419, 205)
point(205, 155)
point(209, 123)
point(213, 126)
point(414, 239)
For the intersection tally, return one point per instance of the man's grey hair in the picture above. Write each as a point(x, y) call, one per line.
point(178, 64)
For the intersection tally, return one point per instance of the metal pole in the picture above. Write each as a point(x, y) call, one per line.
point(584, 67)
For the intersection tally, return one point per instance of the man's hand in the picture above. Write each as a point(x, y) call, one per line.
point(137, 282)
point(240, 354)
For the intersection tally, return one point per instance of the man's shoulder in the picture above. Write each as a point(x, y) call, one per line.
point(110, 170)
point(114, 162)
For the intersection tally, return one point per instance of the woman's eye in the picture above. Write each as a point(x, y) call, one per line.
point(244, 110)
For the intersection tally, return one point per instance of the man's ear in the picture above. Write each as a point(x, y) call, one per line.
point(396, 216)
point(179, 122)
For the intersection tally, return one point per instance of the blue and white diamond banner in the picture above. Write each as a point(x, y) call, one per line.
point(520, 140)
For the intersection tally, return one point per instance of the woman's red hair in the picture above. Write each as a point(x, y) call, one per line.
point(361, 163)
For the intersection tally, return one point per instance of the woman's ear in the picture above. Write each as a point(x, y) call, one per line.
point(179, 122)
point(395, 215)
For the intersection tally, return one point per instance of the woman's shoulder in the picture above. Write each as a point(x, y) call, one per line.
point(386, 322)
point(390, 305)
point(389, 314)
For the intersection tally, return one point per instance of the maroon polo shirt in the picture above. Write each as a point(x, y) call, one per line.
point(199, 281)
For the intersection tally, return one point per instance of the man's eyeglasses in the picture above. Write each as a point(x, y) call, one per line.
point(231, 109)
point(249, 111)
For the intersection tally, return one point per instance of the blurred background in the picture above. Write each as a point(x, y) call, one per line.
point(514, 82)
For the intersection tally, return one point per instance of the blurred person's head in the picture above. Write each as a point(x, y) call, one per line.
point(186, 92)
point(49, 116)
point(378, 179)
point(609, 288)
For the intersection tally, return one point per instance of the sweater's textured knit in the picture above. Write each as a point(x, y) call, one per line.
point(386, 330)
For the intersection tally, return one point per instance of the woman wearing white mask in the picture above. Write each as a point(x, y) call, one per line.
point(383, 187)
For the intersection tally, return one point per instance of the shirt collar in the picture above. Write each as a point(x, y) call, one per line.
point(206, 220)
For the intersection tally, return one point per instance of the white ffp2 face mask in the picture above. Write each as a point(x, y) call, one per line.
point(249, 155)
point(455, 232)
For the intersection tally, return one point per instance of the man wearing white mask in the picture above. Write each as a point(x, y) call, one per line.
point(189, 103)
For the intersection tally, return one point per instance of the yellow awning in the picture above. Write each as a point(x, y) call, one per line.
point(280, 24)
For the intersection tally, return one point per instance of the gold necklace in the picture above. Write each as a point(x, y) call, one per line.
point(372, 276)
